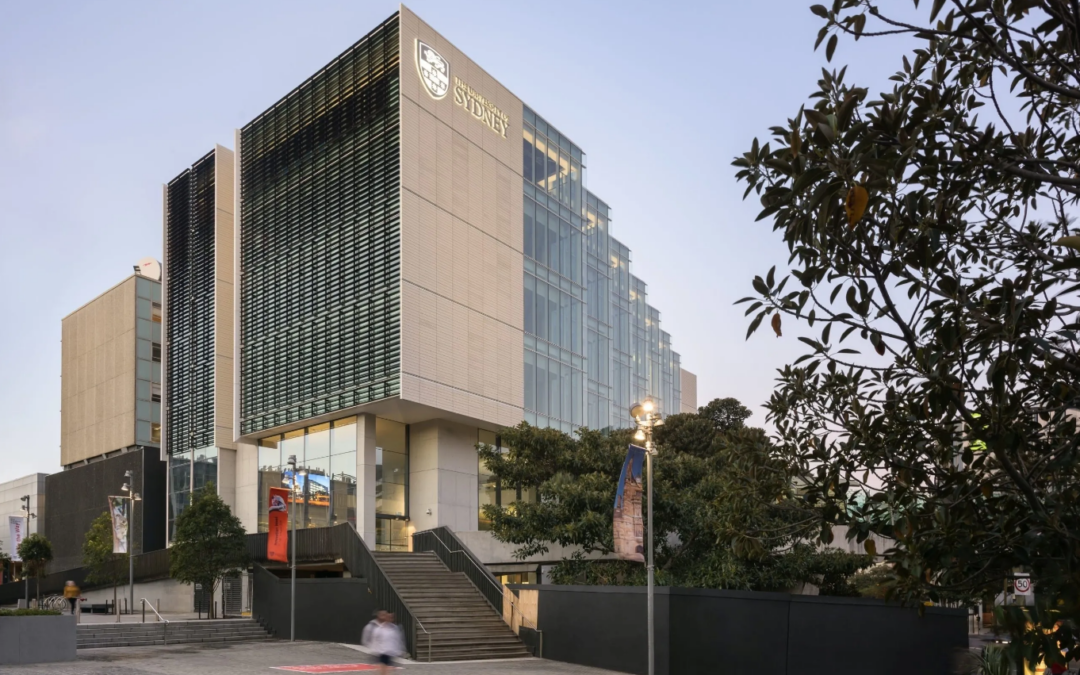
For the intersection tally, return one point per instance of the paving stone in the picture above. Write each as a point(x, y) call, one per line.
point(259, 658)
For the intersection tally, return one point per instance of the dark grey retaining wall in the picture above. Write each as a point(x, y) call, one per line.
point(36, 639)
point(327, 610)
point(704, 632)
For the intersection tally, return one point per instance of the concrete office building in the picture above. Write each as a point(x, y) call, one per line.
point(110, 387)
point(417, 264)
point(110, 418)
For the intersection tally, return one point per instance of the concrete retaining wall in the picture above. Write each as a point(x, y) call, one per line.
point(174, 596)
point(36, 639)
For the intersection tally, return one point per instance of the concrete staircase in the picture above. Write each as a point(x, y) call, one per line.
point(95, 635)
point(462, 624)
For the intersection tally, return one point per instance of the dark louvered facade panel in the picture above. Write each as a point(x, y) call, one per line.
point(320, 202)
point(189, 306)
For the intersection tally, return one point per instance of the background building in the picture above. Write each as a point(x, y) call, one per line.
point(111, 415)
point(409, 278)
point(11, 504)
point(110, 387)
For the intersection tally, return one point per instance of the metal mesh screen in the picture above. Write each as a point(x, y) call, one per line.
point(189, 306)
point(319, 245)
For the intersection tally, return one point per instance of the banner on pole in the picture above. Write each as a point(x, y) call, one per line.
point(119, 524)
point(17, 531)
point(629, 527)
point(277, 542)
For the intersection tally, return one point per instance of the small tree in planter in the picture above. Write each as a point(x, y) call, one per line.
point(36, 553)
point(106, 568)
point(209, 541)
point(6, 571)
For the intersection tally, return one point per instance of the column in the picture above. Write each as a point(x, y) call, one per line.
point(365, 478)
point(443, 475)
point(226, 478)
point(247, 486)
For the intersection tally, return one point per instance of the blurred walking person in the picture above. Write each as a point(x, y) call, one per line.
point(71, 592)
point(386, 639)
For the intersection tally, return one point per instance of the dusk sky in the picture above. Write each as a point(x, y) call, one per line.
point(101, 103)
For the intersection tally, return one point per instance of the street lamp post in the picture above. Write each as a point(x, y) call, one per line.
point(647, 419)
point(132, 497)
point(292, 554)
point(25, 499)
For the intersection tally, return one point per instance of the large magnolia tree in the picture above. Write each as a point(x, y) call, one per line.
point(934, 265)
point(726, 516)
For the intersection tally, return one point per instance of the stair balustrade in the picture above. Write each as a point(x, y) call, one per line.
point(458, 558)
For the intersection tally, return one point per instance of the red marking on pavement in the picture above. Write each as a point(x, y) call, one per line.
point(329, 668)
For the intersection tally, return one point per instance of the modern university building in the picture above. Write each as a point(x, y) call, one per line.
point(399, 259)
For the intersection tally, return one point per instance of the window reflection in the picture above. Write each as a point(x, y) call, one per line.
point(491, 489)
point(391, 468)
point(326, 496)
point(179, 486)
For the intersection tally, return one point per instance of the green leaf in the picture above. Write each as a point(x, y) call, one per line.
point(830, 48)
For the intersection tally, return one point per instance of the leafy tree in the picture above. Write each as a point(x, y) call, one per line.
point(934, 264)
point(725, 495)
point(209, 541)
point(36, 553)
point(874, 582)
point(5, 567)
point(727, 414)
point(105, 567)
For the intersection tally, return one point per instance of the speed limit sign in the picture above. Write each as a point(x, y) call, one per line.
point(1022, 585)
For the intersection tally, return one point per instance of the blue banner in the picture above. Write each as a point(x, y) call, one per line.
point(629, 527)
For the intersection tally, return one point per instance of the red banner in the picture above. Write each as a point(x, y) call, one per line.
point(277, 544)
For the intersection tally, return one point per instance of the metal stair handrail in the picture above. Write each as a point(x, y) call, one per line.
point(165, 625)
point(357, 556)
point(480, 571)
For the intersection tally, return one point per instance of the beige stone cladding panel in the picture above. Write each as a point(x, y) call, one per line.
point(247, 485)
point(462, 315)
point(688, 385)
point(224, 316)
point(98, 376)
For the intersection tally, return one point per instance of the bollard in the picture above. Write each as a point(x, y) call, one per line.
point(144, 610)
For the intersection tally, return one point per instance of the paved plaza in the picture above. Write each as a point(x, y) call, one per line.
point(261, 658)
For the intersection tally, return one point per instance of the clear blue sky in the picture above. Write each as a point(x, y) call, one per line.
point(103, 102)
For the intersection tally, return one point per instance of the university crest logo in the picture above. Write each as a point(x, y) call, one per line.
point(434, 70)
point(277, 503)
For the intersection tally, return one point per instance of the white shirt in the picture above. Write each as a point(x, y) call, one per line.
point(386, 638)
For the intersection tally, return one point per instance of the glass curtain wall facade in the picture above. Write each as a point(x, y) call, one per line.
point(319, 245)
point(492, 489)
point(147, 362)
point(189, 380)
point(593, 345)
point(327, 495)
point(598, 309)
point(554, 246)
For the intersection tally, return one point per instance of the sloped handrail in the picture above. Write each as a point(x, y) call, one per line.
point(357, 556)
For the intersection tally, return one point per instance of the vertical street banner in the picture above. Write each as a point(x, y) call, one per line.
point(119, 524)
point(277, 543)
point(17, 531)
point(629, 527)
